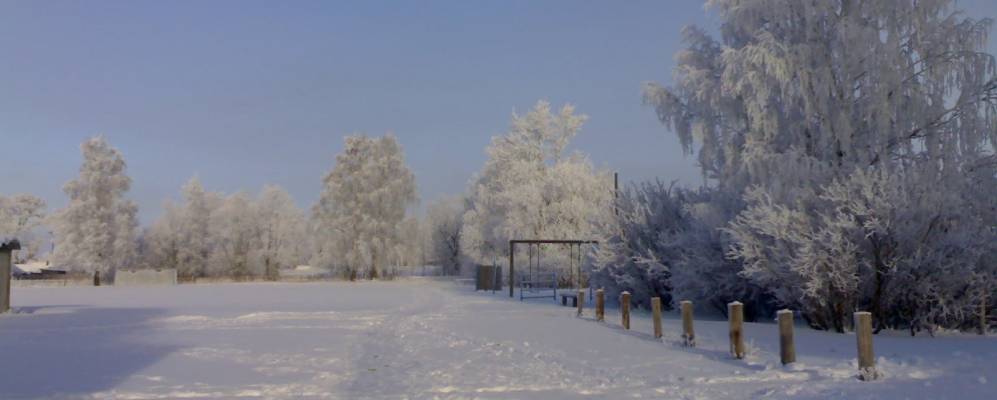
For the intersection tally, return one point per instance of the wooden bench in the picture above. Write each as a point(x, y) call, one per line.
point(572, 296)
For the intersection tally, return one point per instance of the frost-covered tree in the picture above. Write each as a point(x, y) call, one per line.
point(280, 224)
point(363, 201)
point(850, 131)
point(531, 187)
point(234, 237)
point(445, 223)
point(181, 237)
point(97, 229)
point(21, 217)
point(195, 235)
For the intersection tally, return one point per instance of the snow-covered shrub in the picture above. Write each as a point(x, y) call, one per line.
point(667, 242)
point(902, 247)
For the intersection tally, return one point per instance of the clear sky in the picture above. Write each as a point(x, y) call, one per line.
point(245, 93)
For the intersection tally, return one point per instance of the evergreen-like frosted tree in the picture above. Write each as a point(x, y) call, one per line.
point(97, 229)
point(364, 199)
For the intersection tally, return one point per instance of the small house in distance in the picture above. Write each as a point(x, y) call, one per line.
point(37, 270)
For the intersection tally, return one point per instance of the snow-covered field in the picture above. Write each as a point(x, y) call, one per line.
point(426, 339)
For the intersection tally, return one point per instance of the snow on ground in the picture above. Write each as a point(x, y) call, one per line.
point(427, 339)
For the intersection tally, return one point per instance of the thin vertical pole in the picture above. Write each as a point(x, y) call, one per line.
point(512, 266)
point(616, 193)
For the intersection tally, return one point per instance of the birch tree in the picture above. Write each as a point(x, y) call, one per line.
point(531, 187)
point(97, 229)
point(364, 199)
point(824, 119)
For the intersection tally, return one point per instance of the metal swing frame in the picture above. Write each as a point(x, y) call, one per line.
point(532, 281)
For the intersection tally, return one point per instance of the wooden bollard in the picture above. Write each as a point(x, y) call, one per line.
point(735, 313)
point(625, 309)
point(581, 301)
point(983, 315)
point(688, 334)
point(787, 349)
point(600, 305)
point(656, 315)
point(863, 335)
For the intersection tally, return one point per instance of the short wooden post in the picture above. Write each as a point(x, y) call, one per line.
point(6, 268)
point(983, 314)
point(688, 334)
point(863, 335)
point(625, 309)
point(735, 314)
point(787, 349)
point(656, 315)
point(600, 305)
point(581, 301)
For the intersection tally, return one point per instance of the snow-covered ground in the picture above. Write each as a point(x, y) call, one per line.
point(427, 339)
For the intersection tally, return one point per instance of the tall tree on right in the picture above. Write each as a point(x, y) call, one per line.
point(363, 203)
point(860, 138)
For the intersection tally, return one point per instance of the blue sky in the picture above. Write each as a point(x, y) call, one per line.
point(244, 93)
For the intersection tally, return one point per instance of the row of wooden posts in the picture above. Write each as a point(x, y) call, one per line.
point(735, 315)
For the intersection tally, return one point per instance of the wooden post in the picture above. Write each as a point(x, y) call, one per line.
point(625, 309)
point(735, 314)
point(863, 334)
point(600, 305)
point(5, 271)
point(983, 314)
point(688, 334)
point(581, 302)
point(96, 278)
point(787, 350)
point(656, 315)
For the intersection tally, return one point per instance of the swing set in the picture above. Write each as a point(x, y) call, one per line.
point(535, 283)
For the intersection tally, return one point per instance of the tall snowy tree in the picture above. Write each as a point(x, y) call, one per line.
point(531, 187)
point(363, 201)
point(195, 222)
point(280, 227)
point(97, 230)
point(802, 109)
point(445, 222)
point(21, 217)
point(234, 235)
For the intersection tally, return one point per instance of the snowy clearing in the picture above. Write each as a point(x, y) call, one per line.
point(427, 339)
